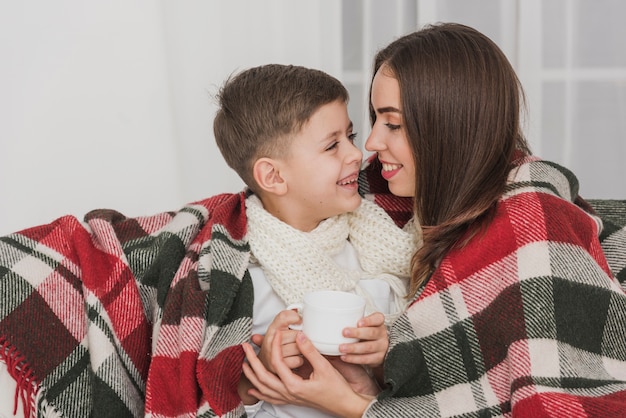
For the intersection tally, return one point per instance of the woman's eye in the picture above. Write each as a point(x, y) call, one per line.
point(392, 127)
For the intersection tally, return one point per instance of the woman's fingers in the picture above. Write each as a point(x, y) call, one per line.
point(308, 351)
point(267, 386)
point(260, 390)
point(277, 360)
point(325, 389)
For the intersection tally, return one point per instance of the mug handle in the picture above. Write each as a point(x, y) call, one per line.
point(297, 307)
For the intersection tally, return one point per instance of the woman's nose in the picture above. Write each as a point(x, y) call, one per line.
point(372, 142)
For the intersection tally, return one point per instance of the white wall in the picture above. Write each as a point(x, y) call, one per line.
point(85, 113)
point(108, 104)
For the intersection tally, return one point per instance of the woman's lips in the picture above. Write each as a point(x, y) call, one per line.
point(389, 170)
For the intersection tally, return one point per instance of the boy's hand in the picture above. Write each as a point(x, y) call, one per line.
point(373, 344)
point(290, 351)
point(242, 388)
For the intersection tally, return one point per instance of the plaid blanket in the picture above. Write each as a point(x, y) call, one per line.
point(118, 316)
point(125, 317)
point(526, 320)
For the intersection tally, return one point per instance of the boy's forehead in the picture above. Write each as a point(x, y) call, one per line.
point(328, 120)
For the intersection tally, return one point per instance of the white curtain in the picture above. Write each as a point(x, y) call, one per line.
point(569, 54)
point(110, 104)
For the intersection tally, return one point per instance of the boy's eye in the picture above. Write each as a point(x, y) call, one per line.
point(351, 138)
point(332, 146)
point(392, 127)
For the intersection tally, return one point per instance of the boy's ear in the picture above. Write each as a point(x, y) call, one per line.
point(266, 172)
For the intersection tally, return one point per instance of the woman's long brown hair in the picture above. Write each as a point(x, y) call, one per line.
point(461, 102)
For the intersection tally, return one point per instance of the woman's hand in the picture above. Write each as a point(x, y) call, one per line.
point(373, 344)
point(325, 389)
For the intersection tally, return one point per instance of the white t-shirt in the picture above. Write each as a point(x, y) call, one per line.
point(267, 304)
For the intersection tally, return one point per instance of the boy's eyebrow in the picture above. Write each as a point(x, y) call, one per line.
point(336, 133)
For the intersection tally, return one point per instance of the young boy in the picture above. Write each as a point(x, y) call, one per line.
point(285, 130)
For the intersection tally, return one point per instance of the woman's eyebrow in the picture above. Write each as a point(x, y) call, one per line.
point(388, 109)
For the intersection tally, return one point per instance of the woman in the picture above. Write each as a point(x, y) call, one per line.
point(515, 311)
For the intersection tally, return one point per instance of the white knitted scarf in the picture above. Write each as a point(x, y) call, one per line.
point(296, 262)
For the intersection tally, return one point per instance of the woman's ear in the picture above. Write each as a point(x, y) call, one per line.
point(266, 172)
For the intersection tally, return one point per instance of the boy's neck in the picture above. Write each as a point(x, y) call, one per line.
point(284, 210)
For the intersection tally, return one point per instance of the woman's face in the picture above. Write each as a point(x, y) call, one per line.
point(388, 137)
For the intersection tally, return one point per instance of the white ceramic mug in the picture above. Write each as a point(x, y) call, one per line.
point(325, 314)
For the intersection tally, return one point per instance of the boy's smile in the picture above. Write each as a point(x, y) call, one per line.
point(321, 169)
point(350, 182)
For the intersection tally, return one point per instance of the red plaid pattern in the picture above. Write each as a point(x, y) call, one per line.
point(526, 320)
point(83, 305)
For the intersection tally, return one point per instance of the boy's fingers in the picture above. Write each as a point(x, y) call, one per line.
point(286, 318)
point(294, 362)
point(369, 359)
point(288, 337)
point(372, 320)
point(257, 339)
point(281, 322)
point(365, 346)
point(371, 327)
point(365, 333)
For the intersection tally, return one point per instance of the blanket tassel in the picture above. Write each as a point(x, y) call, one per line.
point(27, 387)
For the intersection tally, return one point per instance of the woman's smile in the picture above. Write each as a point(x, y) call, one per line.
point(389, 170)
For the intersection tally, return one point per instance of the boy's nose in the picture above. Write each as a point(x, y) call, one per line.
point(355, 154)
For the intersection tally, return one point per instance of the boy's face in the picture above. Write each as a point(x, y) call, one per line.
point(321, 169)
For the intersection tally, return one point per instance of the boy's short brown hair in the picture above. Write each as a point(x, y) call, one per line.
point(261, 108)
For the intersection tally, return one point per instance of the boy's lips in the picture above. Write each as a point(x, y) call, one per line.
point(349, 180)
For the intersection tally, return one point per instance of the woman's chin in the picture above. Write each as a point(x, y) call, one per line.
point(401, 190)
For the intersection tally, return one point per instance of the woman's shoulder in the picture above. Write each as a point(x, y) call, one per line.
point(530, 174)
point(528, 227)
